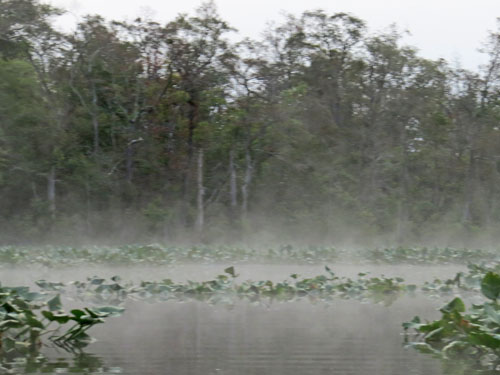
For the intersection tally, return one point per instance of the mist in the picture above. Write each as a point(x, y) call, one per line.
point(321, 198)
point(318, 132)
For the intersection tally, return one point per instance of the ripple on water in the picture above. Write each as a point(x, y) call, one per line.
point(345, 337)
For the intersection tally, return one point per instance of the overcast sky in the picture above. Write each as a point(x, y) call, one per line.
point(453, 29)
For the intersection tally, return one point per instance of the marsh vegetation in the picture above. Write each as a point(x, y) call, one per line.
point(321, 133)
point(37, 328)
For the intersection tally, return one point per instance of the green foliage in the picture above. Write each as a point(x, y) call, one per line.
point(425, 255)
point(26, 316)
point(473, 336)
point(225, 288)
point(323, 127)
point(157, 254)
point(490, 286)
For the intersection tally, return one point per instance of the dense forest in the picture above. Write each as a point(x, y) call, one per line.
point(319, 131)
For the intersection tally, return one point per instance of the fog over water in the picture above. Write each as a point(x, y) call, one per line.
point(200, 272)
point(344, 337)
point(241, 337)
point(274, 200)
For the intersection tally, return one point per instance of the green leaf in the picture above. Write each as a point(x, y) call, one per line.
point(96, 281)
point(7, 324)
point(34, 322)
point(22, 304)
point(46, 285)
point(490, 286)
point(92, 313)
point(59, 318)
point(108, 311)
point(492, 314)
point(8, 344)
point(86, 320)
point(415, 323)
point(456, 305)
point(78, 313)
point(10, 308)
point(116, 279)
point(426, 328)
point(49, 315)
point(230, 270)
point(435, 335)
point(55, 304)
point(484, 339)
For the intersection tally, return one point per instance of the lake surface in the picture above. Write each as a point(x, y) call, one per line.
point(345, 337)
point(300, 337)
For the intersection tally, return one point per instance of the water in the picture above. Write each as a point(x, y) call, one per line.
point(301, 337)
point(284, 338)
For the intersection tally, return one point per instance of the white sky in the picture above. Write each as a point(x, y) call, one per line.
point(453, 29)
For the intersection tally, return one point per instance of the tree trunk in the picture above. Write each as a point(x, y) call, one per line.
point(246, 183)
point(51, 191)
point(129, 162)
point(200, 218)
point(469, 189)
point(491, 204)
point(88, 205)
point(35, 191)
point(193, 118)
point(403, 210)
point(232, 185)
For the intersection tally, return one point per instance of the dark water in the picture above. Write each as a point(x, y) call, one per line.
point(301, 337)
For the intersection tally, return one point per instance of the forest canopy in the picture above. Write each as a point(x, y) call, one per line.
point(319, 131)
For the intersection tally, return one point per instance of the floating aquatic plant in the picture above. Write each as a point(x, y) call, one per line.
point(156, 254)
point(323, 287)
point(425, 255)
point(474, 335)
point(26, 317)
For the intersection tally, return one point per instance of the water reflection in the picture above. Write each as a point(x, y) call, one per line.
point(292, 338)
point(80, 363)
point(226, 334)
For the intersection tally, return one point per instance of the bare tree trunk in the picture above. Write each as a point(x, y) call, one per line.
point(129, 158)
point(88, 204)
point(492, 195)
point(403, 214)
point(469, 189)
point(51, 191)
point(200, 219)
point(35, 191)
point(246, 183)
point(232, 184)
point(129, 163)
